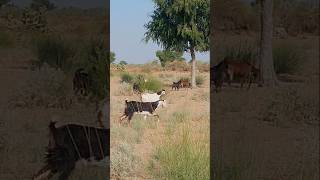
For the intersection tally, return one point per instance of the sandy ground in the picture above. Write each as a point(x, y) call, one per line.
point(270, 133)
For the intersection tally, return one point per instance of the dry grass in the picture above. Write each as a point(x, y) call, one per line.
point(31, 98)
point(270, 132)
point(146, 136)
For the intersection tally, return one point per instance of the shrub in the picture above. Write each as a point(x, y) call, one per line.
point(123, 63)
point(153, 85)
point(123, 161)
point(286, 58)
point(144, 84)
point(166, 56)
point(178, 66)
point(5, 40)
point(241, 52)
point(54, 51)
point(181, 158)
point(125, 89)
point(126, 77)
point(199, 80)
point(98, 67)
point(177, 117)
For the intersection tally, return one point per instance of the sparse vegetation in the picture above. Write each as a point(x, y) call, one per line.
point(5, 40)
point(54, 51)
point(286, 58)
point(123, 161)
point(166, 56)
point(242, 51)
point(181, 158)
point(126, 77)
point(199, 80)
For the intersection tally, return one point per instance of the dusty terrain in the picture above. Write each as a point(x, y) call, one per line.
point(144, 137)
point(29, 98)
point(270, 133)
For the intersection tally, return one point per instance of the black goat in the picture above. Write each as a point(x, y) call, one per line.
point(218, 74)
point(71, 143)
point(176, 85)
point(81, 82)
point(144, 108)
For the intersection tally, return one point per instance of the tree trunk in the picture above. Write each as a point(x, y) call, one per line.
point(193, 70)
point(266, 59)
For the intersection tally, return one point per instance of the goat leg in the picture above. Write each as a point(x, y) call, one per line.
point(42, 171)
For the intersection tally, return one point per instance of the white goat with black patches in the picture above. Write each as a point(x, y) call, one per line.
point(152, 97)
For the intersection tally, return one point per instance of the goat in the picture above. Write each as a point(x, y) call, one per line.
point(185, 83)
point(81, 82)
point(152, 97)
point(176, 85)
point(71, 143)
point(218, 74)
point(144, 108)
point(243, 70)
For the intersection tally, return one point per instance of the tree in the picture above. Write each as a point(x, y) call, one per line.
point(112, 57)
point(268, 75)
point(123, 62)
point(4, 2)
point(180, 25)
point(169, 56)
point(38, 4)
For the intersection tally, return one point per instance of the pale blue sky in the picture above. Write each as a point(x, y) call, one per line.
point(127, 19)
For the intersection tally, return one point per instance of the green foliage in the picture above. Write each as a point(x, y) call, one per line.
point(112, 57)
point(150, 84)
point(169, 56)
point(123, 62)
point(98, 67)
point(180, 25)
point(286, 58)
point(200, 80)
point(54, 51)
point(4, 2)
point(243, 51)
point(181, 158)
point(153, 85)
point(126, 77)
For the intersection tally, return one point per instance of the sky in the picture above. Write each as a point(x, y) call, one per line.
point(127, 19)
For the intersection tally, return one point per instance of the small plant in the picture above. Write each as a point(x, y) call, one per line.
point(126, 77)
point(123, 63)
point(153, 85)
point(241, 52)
point(286, 59)
point(199, 80)
point(144, 84)
point(123, 161)
point(5, 40)
point(54, 51)
point(181, 158)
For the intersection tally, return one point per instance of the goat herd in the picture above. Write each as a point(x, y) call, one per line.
point(71, 143)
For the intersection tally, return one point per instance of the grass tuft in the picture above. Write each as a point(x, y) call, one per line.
point(181, 158)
